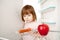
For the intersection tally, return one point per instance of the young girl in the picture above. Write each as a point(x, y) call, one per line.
point(30, 24)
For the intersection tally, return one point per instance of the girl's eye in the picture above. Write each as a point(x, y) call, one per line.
point(24, 15)
point(29, 15)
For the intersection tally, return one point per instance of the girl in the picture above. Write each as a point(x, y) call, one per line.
point(30, 24)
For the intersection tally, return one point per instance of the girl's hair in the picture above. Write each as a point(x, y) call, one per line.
point(26, 10)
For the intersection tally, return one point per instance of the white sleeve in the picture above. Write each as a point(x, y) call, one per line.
point(35, 29)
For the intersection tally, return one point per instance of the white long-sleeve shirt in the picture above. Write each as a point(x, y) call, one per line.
point(33, 26)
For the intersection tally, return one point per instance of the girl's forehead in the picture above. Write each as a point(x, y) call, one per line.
point(28, 14)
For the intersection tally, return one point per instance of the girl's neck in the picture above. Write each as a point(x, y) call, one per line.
point(31, 21)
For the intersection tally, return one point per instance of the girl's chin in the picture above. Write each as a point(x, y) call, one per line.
point(29, 21)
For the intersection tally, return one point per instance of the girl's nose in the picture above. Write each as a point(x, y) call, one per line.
point(26, 17)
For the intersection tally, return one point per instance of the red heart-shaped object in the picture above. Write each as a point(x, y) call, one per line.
point(43, 29)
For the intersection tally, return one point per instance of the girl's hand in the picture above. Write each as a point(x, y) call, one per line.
point(35, 33)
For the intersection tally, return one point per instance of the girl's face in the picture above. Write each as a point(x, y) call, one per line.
point(28, 17)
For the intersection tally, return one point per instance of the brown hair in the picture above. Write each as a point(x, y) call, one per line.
point(26, 10)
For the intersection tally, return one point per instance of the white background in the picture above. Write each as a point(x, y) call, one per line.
point(10, 20)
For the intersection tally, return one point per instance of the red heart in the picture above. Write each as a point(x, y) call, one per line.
point(43, 29)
